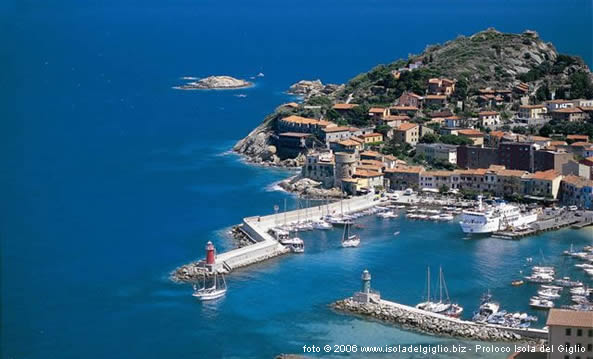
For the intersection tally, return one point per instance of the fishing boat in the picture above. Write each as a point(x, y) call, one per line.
point(349, 240)
point(541, 303)
point(215, 291)
point(517, 282)
point(486, 309)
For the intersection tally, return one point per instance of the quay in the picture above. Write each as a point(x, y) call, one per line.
point(368, 303)
point(264, 246)
point(575, 220)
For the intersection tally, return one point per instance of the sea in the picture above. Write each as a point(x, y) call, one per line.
point(111, 178)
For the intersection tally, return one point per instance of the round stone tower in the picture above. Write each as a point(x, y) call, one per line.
point(344, 168)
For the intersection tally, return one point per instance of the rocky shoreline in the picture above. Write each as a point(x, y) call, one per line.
point(216, 83)
point(307, 89)
point(308, 188)
point(429, 324)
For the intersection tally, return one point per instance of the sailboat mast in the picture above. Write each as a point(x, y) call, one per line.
point(440, 284)
point(428, 282)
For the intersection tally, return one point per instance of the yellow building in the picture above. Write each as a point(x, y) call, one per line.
point(372, 137)
point(407, 133)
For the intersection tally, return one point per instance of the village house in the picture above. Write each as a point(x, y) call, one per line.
point(527, 112)
point(554, 105)
point(368, 179)
point(488, 118)
point(476, 136)
point(577, 191)
point(521, 89)
point(441, 86)
point(454, 122)
point(371, 155)
point(577, 169)
point(403, 110)
point(570, 328)
point(437, 152)
point(435, 179)
point(337, 133)
point(372, 137)
point(582, 102)
point(435, 100)
point(320, 166)
point(509, 181)
point(577, 138)
point(378, 113)
point(302, 124)
point(410, 99)
point(407, 133)
point(588, 164)
point(542, 184)
point(571, 114)
point(493, 138)
point(348, 145)
point(344, 107)
point(403, 177)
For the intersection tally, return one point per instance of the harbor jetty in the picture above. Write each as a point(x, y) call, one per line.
point(368, 303)
point(264, 246)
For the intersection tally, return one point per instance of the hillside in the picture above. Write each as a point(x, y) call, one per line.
point(486, 59)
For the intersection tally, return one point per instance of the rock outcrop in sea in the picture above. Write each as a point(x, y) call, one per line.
point(216, 82)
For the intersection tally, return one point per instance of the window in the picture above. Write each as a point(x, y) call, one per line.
point(590, 333)
point(579, 332)
point(568, 332)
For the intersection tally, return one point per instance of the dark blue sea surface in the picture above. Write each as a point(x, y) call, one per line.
point(111, 178)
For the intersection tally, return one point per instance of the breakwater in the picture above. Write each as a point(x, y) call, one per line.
point(431, 323)
point(264, 246)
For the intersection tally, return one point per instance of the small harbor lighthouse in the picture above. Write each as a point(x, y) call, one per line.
point(366, 294)
point(366, 281)
point(210, 255)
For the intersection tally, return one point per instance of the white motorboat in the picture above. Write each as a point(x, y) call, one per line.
point(387, 215)
point(215, 291)
point(580, 291)
point(541, 303)
point(494, 218)
point(540, 278)
point(349, 240)
point(567, 282)
point(548, 294)
point(322, 225)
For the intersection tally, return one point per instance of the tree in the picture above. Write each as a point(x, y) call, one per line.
point(429, 138)
point(580, 85)
point(443, 189)
point(456, 140)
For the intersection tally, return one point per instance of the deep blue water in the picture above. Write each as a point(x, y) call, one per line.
point(111, 179)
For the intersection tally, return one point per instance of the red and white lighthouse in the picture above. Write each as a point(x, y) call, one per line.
point(210, 253)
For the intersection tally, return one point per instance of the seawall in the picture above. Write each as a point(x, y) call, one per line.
point(436, 324)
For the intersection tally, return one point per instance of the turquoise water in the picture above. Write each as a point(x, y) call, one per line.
point(111, 179)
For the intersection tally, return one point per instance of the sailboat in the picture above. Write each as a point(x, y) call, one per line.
point(442, 306)
point(217, 290)
point(348, 240)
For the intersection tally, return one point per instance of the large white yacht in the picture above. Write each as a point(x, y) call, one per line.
point(494, 218)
